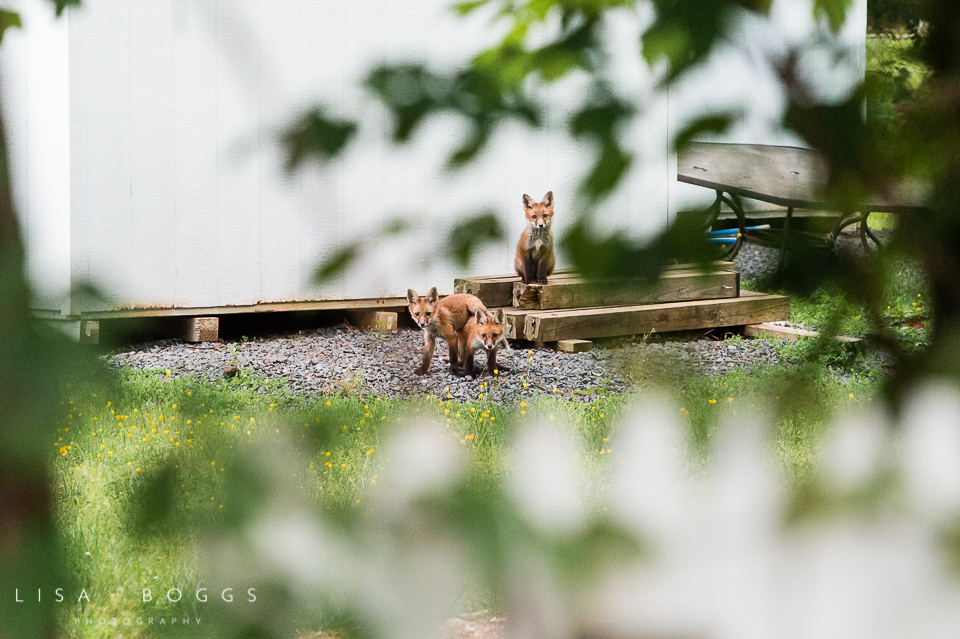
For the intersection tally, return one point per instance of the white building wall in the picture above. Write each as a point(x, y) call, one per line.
point(34, 84)
point(169, 174)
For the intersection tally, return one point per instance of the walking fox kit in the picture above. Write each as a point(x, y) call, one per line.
point(465, 325)
point(483, 331)
point(535, 257)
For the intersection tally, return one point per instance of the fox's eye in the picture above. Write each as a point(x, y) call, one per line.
point(428, 314)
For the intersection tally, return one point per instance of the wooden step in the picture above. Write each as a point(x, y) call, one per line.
point(497, 290)
point(514, 321)
point(588, 323)
point(575, 292)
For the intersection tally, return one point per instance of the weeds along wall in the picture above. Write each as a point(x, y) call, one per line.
point(145, 153)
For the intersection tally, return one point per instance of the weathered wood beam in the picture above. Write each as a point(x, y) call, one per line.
point(201, 329)
point(770, 330)
point(497, 290)
point(550, 326)
point(670, 287)
point(574, 345)
point(380, 321)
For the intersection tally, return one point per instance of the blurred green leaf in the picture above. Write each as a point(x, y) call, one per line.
point(839, 132)
point(412, 93)
point(835, 11)
point(670, 41)
point(606, 173)
point(615, 256)
point(463, 8)
point(601, 122)
point(583, 558)
point(316, 136)
point(396, 226)
point(468, 236)
point(715, 124)
point(60, 5)
point(339, 262)
point(153, 501)
point(8, 19)
point(685, 32)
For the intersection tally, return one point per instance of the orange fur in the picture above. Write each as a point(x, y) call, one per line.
point(445, 318)
point(483, 331)
point(535, 258)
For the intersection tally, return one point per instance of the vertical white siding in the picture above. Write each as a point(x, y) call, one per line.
point(34, 84)
point(153, 140)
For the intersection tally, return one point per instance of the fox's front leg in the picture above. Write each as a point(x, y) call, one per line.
point(540, 268)
point(429, 343)
point(456, 356)
point(492, 362)
point(468, 367)
point(529, 270)
point(495, 367)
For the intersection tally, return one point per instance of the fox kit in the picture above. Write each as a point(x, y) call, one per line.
point(484, 331)
point(535, 250)
point(445, 318)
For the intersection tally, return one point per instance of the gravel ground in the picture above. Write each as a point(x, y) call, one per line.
point(343, 360)
point(754, 260)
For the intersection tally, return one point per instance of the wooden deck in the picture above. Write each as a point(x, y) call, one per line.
point(570, 308)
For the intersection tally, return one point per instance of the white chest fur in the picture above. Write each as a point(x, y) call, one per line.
point(539, 240)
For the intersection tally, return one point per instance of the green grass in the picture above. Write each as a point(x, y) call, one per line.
point(905, 309)
point(896, 57)
point(145, 465)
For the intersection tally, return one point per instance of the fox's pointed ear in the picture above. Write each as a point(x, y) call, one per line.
point(432, 295)
point(527, 201)
point(548, 199)
point(499, 316)
point(480, 316)
point(411, 296)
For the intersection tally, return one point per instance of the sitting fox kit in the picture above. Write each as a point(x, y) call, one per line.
point(446, 318)
point(483, 331)
point(535, 258)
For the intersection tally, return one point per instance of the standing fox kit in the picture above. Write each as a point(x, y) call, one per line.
point(483, 331)
point(535, 249)
point(446, 318)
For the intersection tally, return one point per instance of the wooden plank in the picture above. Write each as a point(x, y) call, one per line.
point(394, 304)
point(787, 176)
point(497, 290)
point(671, 287)
point(492, 294)
point(380, 321)
point(574, 345)
point(514, 322)
point(637, 320)
point(201, 329)
point(769, 330)
point(90, 332)
point(512, 277)
point(564, 272)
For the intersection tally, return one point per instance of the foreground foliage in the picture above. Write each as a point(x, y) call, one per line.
point(149, 466)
